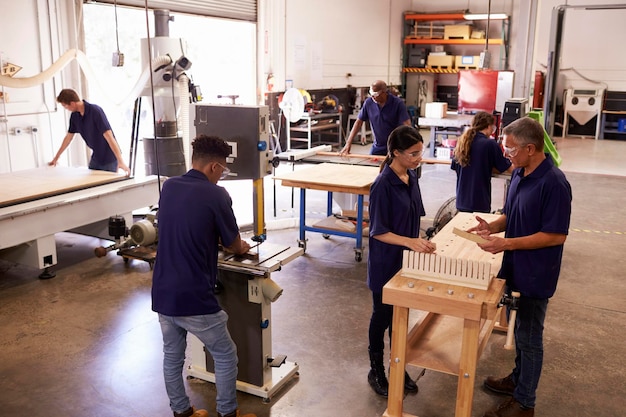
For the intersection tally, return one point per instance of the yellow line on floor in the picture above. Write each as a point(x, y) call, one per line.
point(606, 232)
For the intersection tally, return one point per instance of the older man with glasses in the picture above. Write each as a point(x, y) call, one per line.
point(385, 112)
point(536, 221)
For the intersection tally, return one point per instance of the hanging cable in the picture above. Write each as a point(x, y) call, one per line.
point(154, 123)
point(488, 21)
point(4, 119)
point(117, 38)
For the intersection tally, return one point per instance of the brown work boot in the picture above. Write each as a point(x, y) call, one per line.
point(510, 408)
point(192, 412)
point(504, 385)
point(235, 414)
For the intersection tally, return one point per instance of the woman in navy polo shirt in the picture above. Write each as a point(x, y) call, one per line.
point(395, 208)
point(476, 158)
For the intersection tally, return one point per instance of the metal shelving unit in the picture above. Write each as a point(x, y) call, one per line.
point(412, 36)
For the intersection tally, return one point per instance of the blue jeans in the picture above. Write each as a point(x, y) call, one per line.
point(531, 314)
point(212, 331)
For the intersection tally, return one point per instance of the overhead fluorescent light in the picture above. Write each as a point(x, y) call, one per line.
point(485, 16)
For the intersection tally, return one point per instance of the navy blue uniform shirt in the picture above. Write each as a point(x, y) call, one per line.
point(91, 126)
point(383, 120)
point(393, 207)
point(539, 202)
point(193, 215)
point(473, 182)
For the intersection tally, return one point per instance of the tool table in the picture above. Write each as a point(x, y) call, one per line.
point(351, 179)
point(441, 126)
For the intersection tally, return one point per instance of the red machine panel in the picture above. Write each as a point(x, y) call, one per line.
point(477, 91)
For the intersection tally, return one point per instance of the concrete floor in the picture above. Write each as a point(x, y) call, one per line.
point(86, 343)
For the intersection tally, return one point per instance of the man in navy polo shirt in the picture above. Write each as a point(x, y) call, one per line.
point(535, 221)
point(195, 215)
point(385, 112)
point(90, 121)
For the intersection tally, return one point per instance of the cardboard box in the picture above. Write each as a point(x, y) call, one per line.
point(436, 110)
point(466, 61)
point(440, 61)
point(457, 31)
point(443, 154)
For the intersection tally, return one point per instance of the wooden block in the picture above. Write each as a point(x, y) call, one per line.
point(469, 236)
point(457, 31)
point(440, 61)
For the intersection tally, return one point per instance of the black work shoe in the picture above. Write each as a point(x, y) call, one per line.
point(504, 385)
point(378, 382)
point(409, 384)
point(235, 413)
point(510, 408)
point(192, 412)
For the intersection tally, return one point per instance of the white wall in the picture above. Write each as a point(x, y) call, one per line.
point(592, 45)
point(327, 39)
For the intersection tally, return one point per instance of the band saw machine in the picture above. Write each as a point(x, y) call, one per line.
point(244, 287)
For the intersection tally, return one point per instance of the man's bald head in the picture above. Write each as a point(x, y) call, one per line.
point(379, 85)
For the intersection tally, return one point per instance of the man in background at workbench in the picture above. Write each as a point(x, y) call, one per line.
point(385, 112)
point(194, 215)
point(536, 220)
point(90, 121)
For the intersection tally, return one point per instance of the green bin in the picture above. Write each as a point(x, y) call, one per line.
point(547, 142)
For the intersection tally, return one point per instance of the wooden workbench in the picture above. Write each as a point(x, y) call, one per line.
point(455, 328)
point(35, 204)
point(33, 184)
point(340, 178)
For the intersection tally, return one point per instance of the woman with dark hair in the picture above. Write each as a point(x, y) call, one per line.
point(395, 208)
point(476, 158)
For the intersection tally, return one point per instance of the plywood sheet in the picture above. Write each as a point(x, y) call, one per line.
point(33, 184)
point(453, 246)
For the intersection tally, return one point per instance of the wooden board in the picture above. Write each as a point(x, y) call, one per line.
point(449, 244)
point(34, 184)
point(353, 179)
point(469, 236)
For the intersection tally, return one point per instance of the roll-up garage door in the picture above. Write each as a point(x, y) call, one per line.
point(230, 9)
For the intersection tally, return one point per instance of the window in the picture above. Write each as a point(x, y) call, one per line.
point(222, 53)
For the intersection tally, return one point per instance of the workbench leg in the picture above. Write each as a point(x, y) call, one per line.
point(433, 141)
point(302, 212)
point(400, 327)
point(329, 204)
point(467, 368)
point(359, 222)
